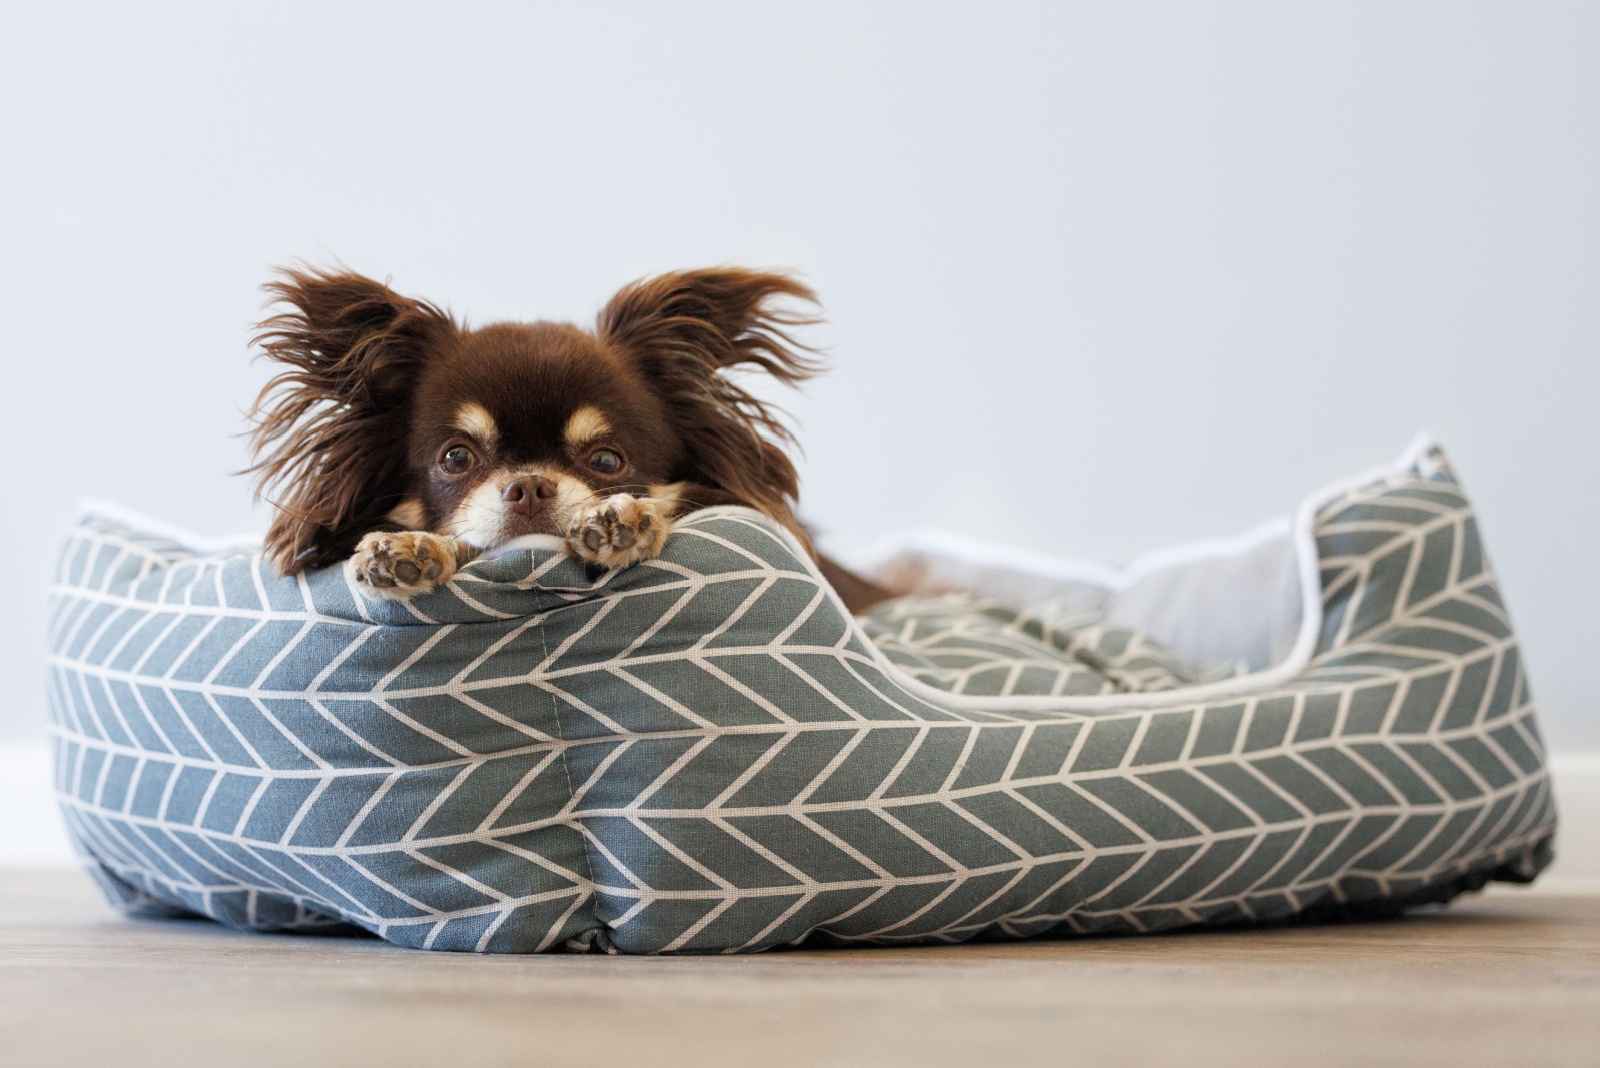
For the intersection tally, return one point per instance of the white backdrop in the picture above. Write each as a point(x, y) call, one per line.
point(1099, 278)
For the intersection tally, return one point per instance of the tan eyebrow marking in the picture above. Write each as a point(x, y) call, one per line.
point(586, 424)
point(473, 418)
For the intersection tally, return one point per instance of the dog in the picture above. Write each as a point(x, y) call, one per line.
point(401, 443)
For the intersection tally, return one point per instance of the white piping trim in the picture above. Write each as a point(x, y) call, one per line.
point(1089, 572)
point(1301, 530)
point(94, 507)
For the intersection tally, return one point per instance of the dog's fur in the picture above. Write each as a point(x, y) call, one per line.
point(403, 443)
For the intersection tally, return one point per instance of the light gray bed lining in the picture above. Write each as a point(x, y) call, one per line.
point(1252, 601)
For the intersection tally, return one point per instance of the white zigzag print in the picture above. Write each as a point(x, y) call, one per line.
point(704, 753)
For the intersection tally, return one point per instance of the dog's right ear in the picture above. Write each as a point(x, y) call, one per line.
point(330, 430)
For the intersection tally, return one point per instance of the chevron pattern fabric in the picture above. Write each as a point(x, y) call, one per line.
point(969, 645)
point(705, 753)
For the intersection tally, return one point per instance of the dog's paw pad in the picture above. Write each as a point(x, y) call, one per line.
point(619, 531)
point(390, 566)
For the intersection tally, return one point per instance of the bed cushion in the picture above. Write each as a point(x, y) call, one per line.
point(965, 644)
point(706, 753)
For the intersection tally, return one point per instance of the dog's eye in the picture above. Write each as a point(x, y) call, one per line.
point(606, 461)
point(456, 460)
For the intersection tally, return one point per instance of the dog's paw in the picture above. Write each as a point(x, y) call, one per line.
point(399, 565)
point(619, 531)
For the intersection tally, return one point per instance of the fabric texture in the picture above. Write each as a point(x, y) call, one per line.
point(706, 753)
point(971, 645)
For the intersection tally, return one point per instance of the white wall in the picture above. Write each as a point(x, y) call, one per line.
point(1099, 277)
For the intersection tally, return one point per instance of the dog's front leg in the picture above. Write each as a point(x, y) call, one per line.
point(621, 530)
point(395, 565)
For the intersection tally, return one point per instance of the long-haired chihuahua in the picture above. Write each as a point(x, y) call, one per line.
point(404, 443)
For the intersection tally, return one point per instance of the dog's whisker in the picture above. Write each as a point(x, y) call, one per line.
point(612, 491)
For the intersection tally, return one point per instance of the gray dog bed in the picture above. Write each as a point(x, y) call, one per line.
point(707, 753)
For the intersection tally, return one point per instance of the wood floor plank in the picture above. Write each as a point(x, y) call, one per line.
point(1502, 979)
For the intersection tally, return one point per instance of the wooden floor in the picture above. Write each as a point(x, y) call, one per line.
point(1509, 979)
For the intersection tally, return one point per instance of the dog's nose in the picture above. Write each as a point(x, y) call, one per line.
point(528, 494)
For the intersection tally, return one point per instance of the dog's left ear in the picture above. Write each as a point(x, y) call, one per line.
point(683, 330)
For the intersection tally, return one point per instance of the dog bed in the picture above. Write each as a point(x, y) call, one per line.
point(707, 753)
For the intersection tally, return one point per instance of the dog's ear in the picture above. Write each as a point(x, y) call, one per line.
point(331, 429)
point(683, 331)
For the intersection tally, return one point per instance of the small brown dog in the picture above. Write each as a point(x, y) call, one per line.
point(405, 444)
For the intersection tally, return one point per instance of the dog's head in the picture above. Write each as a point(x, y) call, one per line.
point(390, 410)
